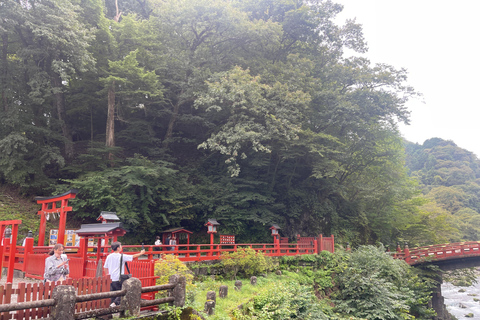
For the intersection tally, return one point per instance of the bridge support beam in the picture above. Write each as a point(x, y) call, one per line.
point(438, 302)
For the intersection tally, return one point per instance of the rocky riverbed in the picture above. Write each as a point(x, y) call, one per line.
point(462, 302)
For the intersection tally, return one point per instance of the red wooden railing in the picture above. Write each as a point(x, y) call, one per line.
point(84, 263)
point(203, 252)
point(438, 252)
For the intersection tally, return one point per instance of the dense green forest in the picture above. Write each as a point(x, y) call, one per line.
point(449, 179)
point(170, 112)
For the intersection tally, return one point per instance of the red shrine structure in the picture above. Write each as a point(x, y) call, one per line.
point(56, 205)
point(86, 259)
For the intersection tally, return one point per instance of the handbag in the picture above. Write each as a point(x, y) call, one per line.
point(127, 276)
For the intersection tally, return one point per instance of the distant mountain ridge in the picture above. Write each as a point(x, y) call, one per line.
point(449, 176)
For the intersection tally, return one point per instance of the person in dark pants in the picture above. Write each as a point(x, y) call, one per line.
point(168, 242)
point(112, 268)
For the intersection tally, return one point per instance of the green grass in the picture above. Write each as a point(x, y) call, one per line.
point(225, 306)
point(14, 207)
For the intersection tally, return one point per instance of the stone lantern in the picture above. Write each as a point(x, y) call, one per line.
point(276, 236)
point(212, 228)
point(7, 235)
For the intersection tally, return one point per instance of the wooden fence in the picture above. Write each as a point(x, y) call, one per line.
point(89, 298)
point(29, 292)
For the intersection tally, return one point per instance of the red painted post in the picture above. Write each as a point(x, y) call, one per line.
point(82, 252)
point(406, 251)
point(211, 245)
point(333, 243)
point(43, 224)
point(320, 239)
point(2, 251)
point(13, 249)
point(62, 223)
point(28, 251)
point(150, 253)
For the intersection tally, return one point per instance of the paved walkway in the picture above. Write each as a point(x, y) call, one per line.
point(17, 280)
point(15, 284)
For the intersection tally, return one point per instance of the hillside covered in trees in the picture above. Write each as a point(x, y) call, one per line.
point(449, 179)
point(171, 112)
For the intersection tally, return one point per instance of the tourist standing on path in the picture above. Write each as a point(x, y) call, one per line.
point(56, 266)
point(173, 242)
point(112, 268)
point(168, 242)
point(158, 242)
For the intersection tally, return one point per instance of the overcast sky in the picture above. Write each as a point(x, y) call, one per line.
point(437, 42)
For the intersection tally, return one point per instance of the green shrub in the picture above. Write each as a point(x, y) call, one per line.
point(169, 265)
point(374, 286)
point(246, 261)
point(315, 269)
point(282, 301)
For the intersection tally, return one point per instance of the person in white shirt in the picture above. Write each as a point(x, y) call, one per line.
point(112, 268)
point(158, 242)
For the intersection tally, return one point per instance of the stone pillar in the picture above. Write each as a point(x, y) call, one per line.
point(132, 299)
point(253, 280)
point(438, 303)
point(179, 292)
point(64, 308)
point(210, 304)
point(238, 285)
point(223, 292)
point(99, 271)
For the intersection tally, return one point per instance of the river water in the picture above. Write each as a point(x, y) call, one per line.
point(460, 304)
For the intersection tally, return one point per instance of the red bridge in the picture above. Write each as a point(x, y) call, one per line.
point(450, 255)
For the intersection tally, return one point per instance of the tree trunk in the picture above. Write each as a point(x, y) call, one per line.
point(62, 114)
point(118, 13)
point(171, 124)
point(91, 123)
point(110, 140)
point(3, 80)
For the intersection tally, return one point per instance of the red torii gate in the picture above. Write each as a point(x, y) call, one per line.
point(62, 211)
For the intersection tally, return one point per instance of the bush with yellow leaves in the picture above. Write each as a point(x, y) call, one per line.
point(169, 265)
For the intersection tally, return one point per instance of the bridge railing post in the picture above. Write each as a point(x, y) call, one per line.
point(406, 252)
